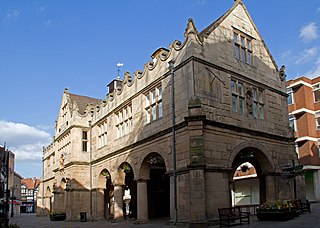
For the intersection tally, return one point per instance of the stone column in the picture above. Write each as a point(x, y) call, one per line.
point(142, 200)
point(316, 186)
point(118, 202)
point(197, 198)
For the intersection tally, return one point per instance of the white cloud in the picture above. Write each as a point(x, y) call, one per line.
point(40, 9)
point(24, 141)
point(286, 54)
point(12, 15)
point(315, 72)
point(307, 55)
point(309, 32)
point(47, 23)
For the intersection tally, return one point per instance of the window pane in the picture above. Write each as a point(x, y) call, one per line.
point(160, 93)
point(233, 86)
point(250, 57)
point(84, 135)
point(153, 96)
point(242, 41)
point(84, 146)
point(234, 103)
point(290, 98)
point(291, 123)
point(249, 44)
point(254, 95)
point(160, 109)
point(235, 37)
point(255, 109)
point(316, 95)
point(148, 100)
point(236, 52)
point(241, 105)
point(243, 55)
point(240, 89)
point(260, 97)
point(154, 113)
point(261, 112)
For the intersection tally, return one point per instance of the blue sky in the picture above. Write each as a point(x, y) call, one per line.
point(46, 46)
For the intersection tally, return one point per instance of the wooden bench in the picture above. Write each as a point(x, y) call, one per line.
point(231, 214)
point(303, 206)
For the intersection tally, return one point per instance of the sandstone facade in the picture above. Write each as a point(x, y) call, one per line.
point(230, 106)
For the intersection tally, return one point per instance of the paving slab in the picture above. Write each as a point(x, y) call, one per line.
point(306, 220)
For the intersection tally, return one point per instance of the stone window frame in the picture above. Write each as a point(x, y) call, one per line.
point(258, 104)
point(290, 96)
point(102, 134)
point(237, 96)
point(238, 99)
point(124, 121)
point(243, 51)
point(153, 105)
point(84, 137)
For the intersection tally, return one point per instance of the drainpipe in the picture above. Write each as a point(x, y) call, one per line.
point(171, 68)
point(90, 170)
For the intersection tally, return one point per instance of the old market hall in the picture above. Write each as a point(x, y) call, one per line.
point(167, 140)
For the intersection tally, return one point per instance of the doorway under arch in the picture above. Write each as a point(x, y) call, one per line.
point(129, 191)
point(252, 163)
point(158, 186)
point(105, 180)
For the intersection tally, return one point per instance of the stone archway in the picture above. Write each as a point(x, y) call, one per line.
point(260, 159)
point(154, 181)
point(59, 196)
point(125, 191)
point(104, 183)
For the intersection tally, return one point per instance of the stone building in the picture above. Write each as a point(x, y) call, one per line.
point(230, 107)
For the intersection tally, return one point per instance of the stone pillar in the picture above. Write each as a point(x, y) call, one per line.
point(272, 187)
point(118, 201)
point(197, 198)
point(142, 200)
point(316, 184)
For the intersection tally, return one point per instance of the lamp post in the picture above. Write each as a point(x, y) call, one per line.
point(90, 126)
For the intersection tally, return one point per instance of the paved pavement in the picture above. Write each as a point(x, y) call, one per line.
point(305, 220)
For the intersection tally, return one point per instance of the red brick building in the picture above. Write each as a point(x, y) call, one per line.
point(304, 118)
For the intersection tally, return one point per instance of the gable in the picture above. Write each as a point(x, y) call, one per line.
point(238, 19)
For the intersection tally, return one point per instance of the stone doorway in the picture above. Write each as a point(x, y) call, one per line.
point(129, 192)
point(108, 194)
point(245, 189)
point(158, 187)
point(254, 159)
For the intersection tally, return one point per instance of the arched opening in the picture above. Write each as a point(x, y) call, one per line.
point(245, 189)
point(129, 192)
point(158, 187)
point(248, 183)
point(105, 178)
